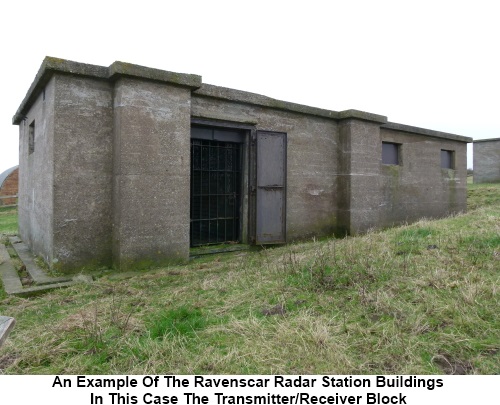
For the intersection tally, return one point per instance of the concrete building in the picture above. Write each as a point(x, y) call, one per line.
point(130, 166)
point(487, 160)
point(9, 183)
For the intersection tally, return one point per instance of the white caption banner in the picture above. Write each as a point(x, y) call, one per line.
point(250, 390)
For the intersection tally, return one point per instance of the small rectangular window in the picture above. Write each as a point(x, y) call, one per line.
point(447, 159)
point(31, 138)
point(390, 153)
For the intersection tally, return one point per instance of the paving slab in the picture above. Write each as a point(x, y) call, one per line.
point(6, 325)
point(8, 273)
point(12, 283)
point(36, 273)
point(37, 290)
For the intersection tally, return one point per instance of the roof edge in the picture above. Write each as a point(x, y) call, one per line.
point(362, 115)
point(47, 68)
point(427, 132)
point(128, 69)
point(486, 140)
point(245, 97)
point(51, 65)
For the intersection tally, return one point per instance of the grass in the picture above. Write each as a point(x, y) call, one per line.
point(8, 220)
point(419, 299)
point(481, 195)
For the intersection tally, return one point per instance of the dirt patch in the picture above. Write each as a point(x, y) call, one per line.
point(491, 352)
point(67, 301)
point(93, 320)
point(7, 360)
point(451, 366)
point(278, 309)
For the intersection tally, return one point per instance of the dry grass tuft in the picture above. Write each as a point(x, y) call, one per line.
point(419, 299)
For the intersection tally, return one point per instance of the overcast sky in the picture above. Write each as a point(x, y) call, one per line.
point(433, 64)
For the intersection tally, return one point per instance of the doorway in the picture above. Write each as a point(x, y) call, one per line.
point(216, 185)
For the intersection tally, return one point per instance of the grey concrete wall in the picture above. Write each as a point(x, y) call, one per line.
point(83, 168)
point(36, 210)
point(359, 184)
point(418, 187)
point(152, 128)
point(487, 161)
point(109, 180)
point(312, 164)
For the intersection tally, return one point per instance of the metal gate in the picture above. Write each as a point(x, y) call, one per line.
point(215, 190)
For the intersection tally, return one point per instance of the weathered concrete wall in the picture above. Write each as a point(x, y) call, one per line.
point(312, 165)
point(36, 174)
point(487, 161)
point(9, 187)
point(418, 187)
point(83, 168)
point(109, 180)
point(359, 155)
point(151, 173)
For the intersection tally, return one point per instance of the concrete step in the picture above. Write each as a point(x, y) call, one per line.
point(6, 325)
point(36, 273)
point(8, 273)
point(43, 282)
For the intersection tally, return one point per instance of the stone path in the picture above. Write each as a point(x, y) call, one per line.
point(42, 281)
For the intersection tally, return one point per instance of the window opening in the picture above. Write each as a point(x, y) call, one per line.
point(31, 138)
point(390, 153)
point(447, 159)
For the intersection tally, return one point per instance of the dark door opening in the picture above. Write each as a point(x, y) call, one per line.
point(215, 189)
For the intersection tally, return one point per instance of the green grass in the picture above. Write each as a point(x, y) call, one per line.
point(419, 299)
point(482, 195)
point(176, 322)
point(8, 220)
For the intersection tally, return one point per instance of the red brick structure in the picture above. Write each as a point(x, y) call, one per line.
point(9, 186)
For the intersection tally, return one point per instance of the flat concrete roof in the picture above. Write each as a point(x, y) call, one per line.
point(52, 65)
point(245, 97)
point(487, 140)
point(426, 132)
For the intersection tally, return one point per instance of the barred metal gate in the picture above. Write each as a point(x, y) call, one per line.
point(215, 189)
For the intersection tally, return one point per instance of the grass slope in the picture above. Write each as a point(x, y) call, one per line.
point(419, 299)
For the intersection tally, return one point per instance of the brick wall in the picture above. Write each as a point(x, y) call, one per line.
point(10, 187)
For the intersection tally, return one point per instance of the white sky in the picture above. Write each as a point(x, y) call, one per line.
point(433, 64)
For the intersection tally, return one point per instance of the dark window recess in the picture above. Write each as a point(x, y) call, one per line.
point(31, 138)
point(447, 159)
point(390, 153)
point(215, 191)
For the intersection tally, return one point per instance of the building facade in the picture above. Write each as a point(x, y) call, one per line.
point(129, 166)
point(487, 160)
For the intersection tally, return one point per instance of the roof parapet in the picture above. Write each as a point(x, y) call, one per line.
point(245, 97)
point(51, 65)
point(486, 140)
point(427, 132)
point(362, 115)
point(142, 72)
